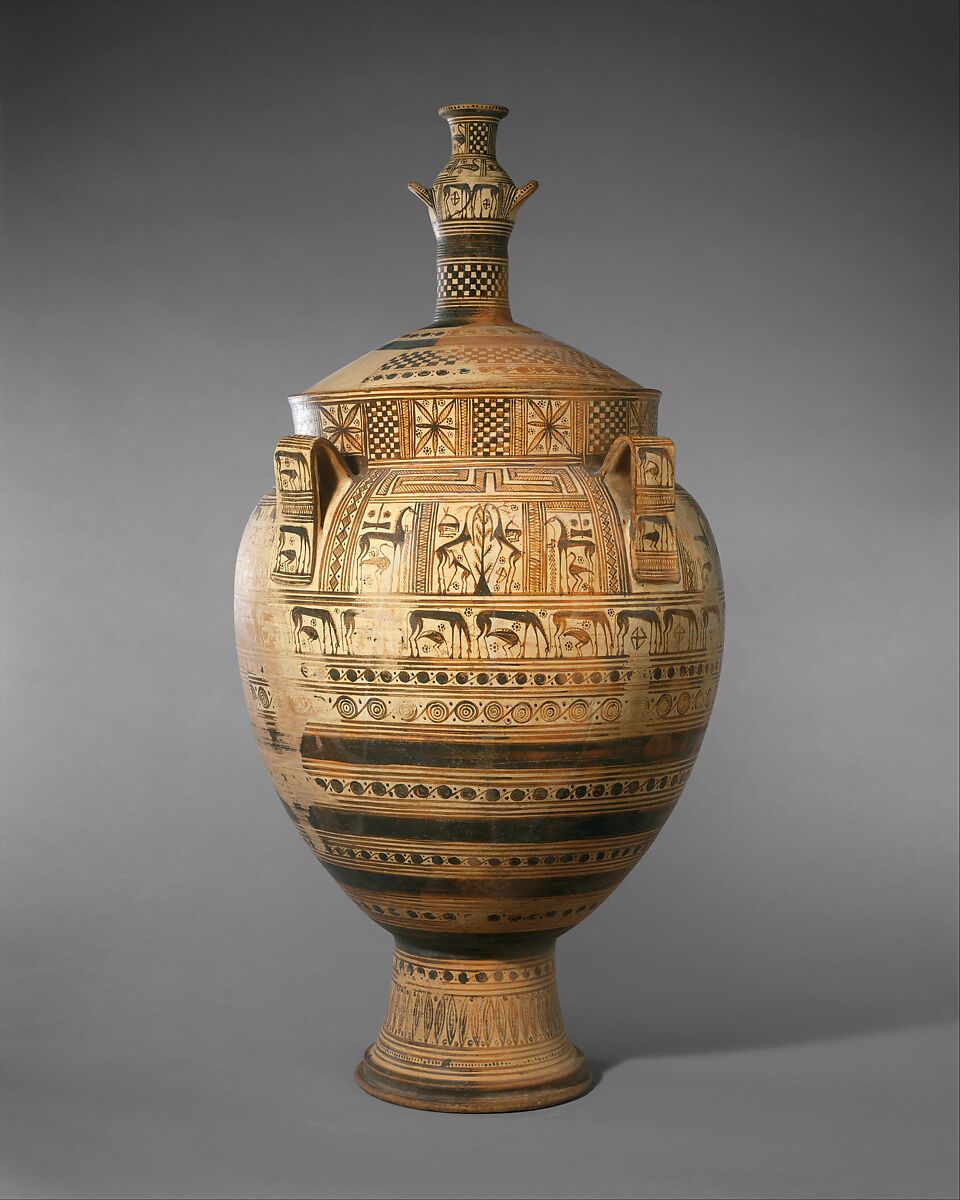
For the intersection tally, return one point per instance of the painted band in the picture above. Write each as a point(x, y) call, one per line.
point(318, 747)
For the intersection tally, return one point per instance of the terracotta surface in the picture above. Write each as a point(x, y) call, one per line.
point(480, 629)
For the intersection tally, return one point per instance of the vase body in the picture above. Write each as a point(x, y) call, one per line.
point(480, 628)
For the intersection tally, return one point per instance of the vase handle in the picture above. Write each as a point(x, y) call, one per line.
point(522, 194)
point(647, 466)
point(310, 474)
point(423, 193)
point(640, 473)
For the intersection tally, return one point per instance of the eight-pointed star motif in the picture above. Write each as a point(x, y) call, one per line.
point(548, 423)
point(341, 423)
point(435, 426)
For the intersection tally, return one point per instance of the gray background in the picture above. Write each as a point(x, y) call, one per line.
point(751, 206)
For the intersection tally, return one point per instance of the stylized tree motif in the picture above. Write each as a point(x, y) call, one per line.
point(480, 552)
point(485, 548)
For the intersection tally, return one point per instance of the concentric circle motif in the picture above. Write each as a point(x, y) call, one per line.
point(436, 711)
point(376, 709)
point(549, 711)
point(494, 711)
point(611, 710)
point(466, 710)
point(263, 697)
point(578, 710)
point(683, 703)
point(407, 712)
point(664, 704)
point(522, 712)
point(346, 706)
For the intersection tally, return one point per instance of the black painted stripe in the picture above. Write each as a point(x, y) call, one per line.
point(367, 750)
point(496, 939)
point(497, 888)
point(452, 244)
point(536, 831)
point(410, 344)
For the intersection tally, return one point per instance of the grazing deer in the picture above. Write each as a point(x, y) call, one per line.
point(594, 617)
point(456, 621)
point(689, 615)
point(709, 609)
point(530, 622)
point(348, 620)
point(315, 627)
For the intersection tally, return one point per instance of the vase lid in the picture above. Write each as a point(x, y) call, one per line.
point(501, 356)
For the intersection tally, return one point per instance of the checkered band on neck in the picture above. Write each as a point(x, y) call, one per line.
point(480, 283)
point(475, 135)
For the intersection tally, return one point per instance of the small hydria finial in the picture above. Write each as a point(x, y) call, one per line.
point(473, 186)
point(473, 204)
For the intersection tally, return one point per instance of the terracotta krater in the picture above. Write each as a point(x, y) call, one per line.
point(480, 629)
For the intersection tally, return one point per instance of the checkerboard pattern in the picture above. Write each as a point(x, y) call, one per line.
point(412, 362)
point(606, 421)
point(410, 359)
point(471, 281)
point(480, 136)
point(383, 437)
point(491, 426)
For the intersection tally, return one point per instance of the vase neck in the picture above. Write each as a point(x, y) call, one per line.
point(473, 202)
point(472, 279)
